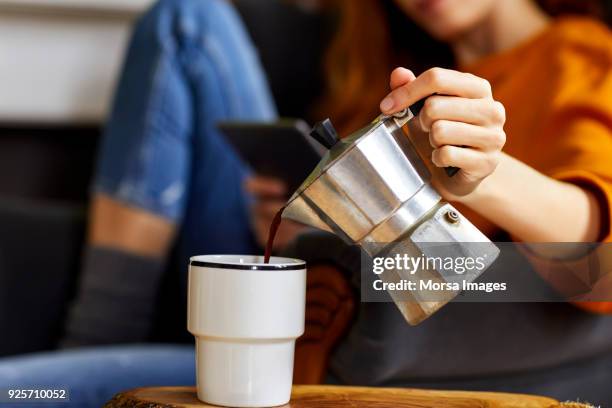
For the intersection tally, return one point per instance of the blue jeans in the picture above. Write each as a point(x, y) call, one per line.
point(92, 376)
point(190, 64)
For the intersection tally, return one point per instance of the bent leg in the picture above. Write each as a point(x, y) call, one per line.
point(163, 166)
point(190, 64)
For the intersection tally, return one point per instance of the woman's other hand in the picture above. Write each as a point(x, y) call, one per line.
point(270, 195)
point(460, 125)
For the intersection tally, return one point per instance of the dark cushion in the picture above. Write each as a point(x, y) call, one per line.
point(39, 254)
point(47, 163)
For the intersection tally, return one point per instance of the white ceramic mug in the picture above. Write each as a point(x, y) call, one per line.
point(245, 316)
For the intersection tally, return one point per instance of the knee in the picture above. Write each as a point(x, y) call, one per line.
point(174, 22)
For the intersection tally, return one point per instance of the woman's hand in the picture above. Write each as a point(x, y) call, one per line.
point(270, 196)
point(460, 125)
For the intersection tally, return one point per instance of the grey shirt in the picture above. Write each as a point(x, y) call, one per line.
point(462, 340)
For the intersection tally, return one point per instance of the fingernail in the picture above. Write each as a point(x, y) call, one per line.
point(433, 158)
point(386, 104)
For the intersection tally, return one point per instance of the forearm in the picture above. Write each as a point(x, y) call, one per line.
point(534, 207)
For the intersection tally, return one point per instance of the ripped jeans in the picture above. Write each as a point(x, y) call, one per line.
point(190, 64)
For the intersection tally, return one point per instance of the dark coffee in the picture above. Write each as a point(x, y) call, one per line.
point(272, 234)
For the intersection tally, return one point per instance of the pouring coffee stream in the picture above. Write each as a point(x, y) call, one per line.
point(373, 189)
point(272, 234)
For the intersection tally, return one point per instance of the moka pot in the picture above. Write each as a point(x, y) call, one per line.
point(374, 190)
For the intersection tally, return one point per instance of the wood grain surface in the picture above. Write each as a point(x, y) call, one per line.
point(336, 396)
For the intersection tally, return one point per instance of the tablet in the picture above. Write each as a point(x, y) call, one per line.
point(281, 149)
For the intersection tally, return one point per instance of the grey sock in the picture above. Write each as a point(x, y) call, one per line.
point(115, 302)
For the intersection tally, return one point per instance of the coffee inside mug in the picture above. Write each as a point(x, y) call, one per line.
point(247, 262)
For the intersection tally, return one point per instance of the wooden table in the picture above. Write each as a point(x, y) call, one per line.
point(327, 396)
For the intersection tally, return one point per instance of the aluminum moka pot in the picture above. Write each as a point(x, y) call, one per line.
point(373, 189)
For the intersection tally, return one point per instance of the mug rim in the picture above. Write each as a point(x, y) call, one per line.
point(225, 262)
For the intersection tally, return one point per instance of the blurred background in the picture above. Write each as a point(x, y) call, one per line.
point(59, 61)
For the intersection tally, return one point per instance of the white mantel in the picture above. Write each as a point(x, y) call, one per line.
point(59, 59)
point(118, 6)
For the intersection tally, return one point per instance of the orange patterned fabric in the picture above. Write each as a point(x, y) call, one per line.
point(557, 90)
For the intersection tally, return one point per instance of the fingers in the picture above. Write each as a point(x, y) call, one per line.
point(460, 120)
point(474, 164)
point(401, 76)
point(483, 112)
point(436, 81)
point(444, 132)
point(264, 187)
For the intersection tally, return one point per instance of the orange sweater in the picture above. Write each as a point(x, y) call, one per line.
point(557, 90)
